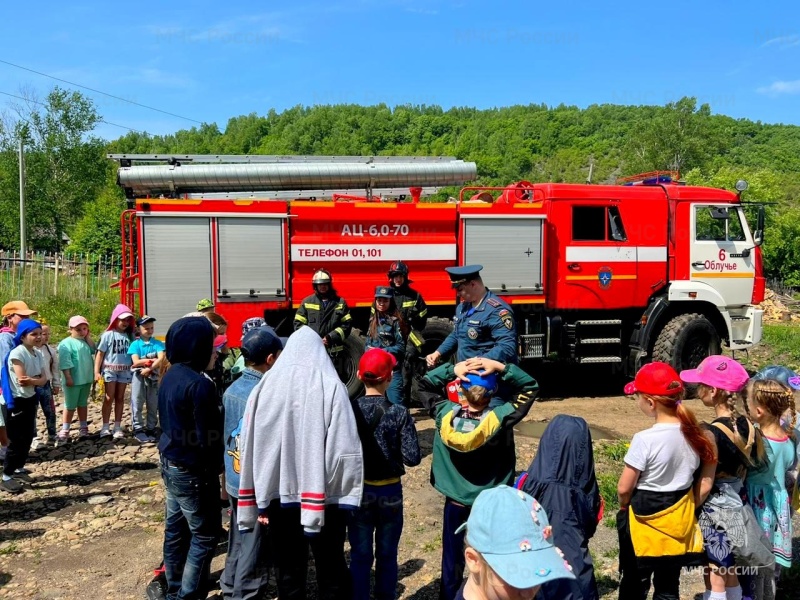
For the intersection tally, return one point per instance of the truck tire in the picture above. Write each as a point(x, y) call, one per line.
point(346, 363)
point(436, 330)
point(685, 341)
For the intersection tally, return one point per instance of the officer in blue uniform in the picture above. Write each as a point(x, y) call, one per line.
point(484, 324)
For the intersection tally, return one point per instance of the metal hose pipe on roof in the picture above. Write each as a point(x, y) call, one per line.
point(144, 180)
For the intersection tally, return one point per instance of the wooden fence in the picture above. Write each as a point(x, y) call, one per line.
point(70, 276)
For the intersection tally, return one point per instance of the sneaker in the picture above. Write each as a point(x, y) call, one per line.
point(141, 437)
point(23, 475)
point(151, 438)
point(11, 486)
point(51, 440)
point(105, 432)
point(83, 433)
point(118, 434)
point(36, 444)
point(63, 437)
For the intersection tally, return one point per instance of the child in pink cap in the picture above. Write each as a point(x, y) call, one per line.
point(113, 364)
point(719, 379)
point(76, 362)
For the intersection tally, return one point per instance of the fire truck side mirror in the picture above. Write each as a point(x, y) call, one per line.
point(758, 234)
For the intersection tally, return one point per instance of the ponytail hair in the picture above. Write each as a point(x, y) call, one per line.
point(690, 428)
point(776, 399)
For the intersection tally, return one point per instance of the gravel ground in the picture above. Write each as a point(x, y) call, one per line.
point(91, 523)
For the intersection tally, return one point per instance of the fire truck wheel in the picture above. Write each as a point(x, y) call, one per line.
point(346, 363)
point(686, 340)
point(436, 330)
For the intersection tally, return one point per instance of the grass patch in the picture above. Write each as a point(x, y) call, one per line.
point(614, 451)
point(783, 342)
point(8, 549)
point(607, 482)
point(158, 517)
point(56, 311)
point(613, 553)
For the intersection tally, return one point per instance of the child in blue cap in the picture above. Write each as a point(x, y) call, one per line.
point(509, 548)
point(473, 446)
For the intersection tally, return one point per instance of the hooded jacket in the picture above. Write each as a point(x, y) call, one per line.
point(191, 422)
point(562, 478)
point(118, 310)
point(300, 441)
point(24, 328)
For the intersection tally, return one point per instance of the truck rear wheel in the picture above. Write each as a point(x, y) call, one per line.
point(346, 363)
point(686, 340)
point(435, 332)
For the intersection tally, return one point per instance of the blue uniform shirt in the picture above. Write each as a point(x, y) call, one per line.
point(487, 330)
point(389, 338)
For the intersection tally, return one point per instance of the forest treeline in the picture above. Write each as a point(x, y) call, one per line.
point(73, 191)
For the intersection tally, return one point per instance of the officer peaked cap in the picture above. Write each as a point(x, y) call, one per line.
point(459, 275)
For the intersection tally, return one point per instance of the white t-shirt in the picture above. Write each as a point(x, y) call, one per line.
point(666, 460)
point(32, 363)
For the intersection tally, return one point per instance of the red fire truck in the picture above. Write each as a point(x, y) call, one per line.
point(649, 269)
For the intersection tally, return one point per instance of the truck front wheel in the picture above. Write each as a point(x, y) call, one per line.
point(686, 340)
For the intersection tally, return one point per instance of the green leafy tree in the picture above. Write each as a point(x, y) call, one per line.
point(98, 230)
point(65, 166)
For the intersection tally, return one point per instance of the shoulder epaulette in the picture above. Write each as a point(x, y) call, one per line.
point(493, 302)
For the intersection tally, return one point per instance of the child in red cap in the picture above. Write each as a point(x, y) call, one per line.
point(657, 527)
point(389, 441)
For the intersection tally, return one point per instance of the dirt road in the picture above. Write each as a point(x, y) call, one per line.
point(91, 524)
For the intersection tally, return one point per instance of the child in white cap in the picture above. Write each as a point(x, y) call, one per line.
point(509, 548)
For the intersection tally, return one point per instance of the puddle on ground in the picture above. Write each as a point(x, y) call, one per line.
point(535, 429)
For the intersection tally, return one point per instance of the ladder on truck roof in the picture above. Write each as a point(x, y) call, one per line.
point(176, 175)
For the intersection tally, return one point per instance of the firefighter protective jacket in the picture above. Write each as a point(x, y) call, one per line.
point(413, 308)
point(332, 320)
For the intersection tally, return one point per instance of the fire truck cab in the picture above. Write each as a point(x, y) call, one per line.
point(622, 274)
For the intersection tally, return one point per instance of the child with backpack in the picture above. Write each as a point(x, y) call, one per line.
point(147, 355)
point(21, 374)
point(562, 478)
point(246, 573)
point(657, 528)
point(719, 379)
point(768, 400)
point(473, 447)
point(389, 441)
point(509, 551)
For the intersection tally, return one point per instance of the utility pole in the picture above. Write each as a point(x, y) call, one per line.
point(22, 237)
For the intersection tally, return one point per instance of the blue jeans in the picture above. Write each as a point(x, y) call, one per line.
point(394, 393)
point(45, 393)
point(191, 530)
point(453, 561)
point(381, 516)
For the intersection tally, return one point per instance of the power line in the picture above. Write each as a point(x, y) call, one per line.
point(99, 119)
point(85, 87)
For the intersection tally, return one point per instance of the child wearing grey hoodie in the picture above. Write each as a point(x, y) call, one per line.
point(302, 466)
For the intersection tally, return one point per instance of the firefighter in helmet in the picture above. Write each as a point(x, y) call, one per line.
point(415, 314)
point(326, 313)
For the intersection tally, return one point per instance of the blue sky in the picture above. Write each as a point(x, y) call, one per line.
point(210, 61)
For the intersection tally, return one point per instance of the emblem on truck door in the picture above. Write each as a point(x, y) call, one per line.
point(604, 277)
